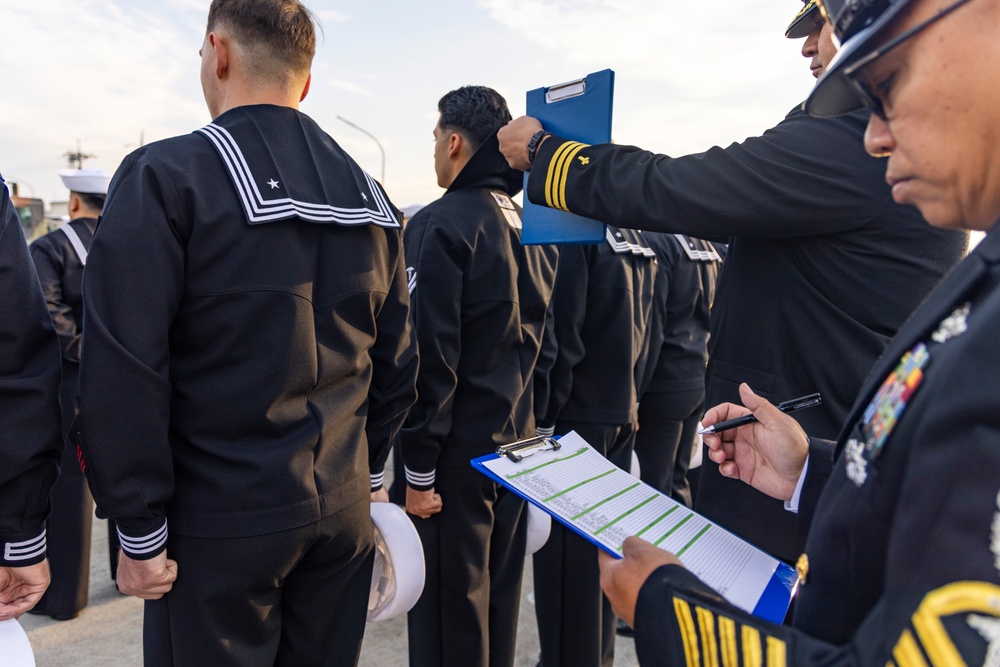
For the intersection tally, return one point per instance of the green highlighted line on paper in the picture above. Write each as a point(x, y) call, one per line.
point(606, 500)
point(547, 463)
point(657, 520)
point(577, 486)
point(674, 529)
point(622, 516)
point(693, 540)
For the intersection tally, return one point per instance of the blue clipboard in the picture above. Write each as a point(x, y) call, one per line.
point(773, 603)
point(578, 110)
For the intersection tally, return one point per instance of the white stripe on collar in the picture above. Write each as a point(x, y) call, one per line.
point(259, 210)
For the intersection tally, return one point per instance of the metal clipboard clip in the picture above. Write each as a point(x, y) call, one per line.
point(564, 91)
point(518, 451)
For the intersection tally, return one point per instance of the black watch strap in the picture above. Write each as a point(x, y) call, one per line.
point(536, 139)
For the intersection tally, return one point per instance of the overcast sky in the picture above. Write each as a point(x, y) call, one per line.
point(110, 72)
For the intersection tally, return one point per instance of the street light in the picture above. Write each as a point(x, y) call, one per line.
point(377, 143)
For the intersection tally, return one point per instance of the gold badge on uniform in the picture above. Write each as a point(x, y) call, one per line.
point(802, 568)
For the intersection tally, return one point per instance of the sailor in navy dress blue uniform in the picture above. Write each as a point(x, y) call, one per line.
point(247, 364)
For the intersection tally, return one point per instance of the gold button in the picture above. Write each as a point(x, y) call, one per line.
point(802, 568)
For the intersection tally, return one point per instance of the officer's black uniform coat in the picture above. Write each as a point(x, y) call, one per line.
point(479, 300)
point(904, 546)
point(30, 441)
point(822, 268)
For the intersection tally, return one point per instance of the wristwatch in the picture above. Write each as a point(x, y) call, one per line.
point(536, 139)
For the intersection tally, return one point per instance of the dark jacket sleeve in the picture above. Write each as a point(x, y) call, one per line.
point(394, 370)
point(438, 266)
point(759, 187)
point(132, 289)
point(820, 466)
point(30, 441)
point(51, 266)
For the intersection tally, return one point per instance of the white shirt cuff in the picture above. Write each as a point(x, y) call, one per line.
point(793, 504)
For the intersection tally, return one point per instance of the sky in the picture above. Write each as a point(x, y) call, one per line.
point(111, 74)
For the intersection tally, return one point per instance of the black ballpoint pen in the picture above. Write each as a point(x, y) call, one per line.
point(787, 406)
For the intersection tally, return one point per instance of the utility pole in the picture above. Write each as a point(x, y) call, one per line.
point(377, 143)
point(76, 159)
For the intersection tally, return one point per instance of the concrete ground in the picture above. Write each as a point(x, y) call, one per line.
point(108, 633)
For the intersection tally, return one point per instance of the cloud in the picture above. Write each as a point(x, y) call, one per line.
point(349, 87)
point(98, 73)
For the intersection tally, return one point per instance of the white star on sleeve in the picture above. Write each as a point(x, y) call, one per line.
point(989, 628)
point(273, 183)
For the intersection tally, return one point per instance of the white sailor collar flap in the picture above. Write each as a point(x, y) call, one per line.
point(624, 241)
point(305, 176)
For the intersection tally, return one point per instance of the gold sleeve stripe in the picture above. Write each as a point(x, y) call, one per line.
point(564, 174)
point(727, 637)
point(907, 653)
point(555, 182)
point(776, 652)
point(686, 623)
point(753, 654)
point(709, 648)
point(958, 598)
point(551, 176)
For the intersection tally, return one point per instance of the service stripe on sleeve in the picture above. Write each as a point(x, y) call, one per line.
point(709, 647)
point(686, 624)
point(552, 175)
point(564, 174)
point(907, 653)
point(555, 179)
point(727, 640)
point(753, 654)
point(776, 652)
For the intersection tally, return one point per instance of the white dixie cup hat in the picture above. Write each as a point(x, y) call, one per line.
point(398, 573)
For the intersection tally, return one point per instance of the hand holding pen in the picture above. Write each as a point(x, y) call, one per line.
point(770, 456)
point(787, 406)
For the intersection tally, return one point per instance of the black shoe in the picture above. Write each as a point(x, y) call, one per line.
point(55, 617)
point(623, 630)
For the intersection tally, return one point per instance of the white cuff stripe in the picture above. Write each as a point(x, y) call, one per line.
point(145, 544)
point(548, 432)
point(420, 478)
point(26, 550)
point(793, 504)
point(377, 480)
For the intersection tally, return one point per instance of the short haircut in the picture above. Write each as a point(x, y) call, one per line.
point(475, 112)
point(278, 37)
point(91, 200)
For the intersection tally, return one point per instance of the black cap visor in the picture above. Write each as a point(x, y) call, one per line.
point(833, 94)
point(804, 22)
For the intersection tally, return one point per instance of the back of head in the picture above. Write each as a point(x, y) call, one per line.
point(276, 37)
point(91, 201)
point(475, 112)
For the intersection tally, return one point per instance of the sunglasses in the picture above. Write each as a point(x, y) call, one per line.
point(872, 96)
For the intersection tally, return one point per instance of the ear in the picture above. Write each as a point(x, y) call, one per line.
point(73, 206)
point(221, 47)
point(305, 90)
point(455, 145)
